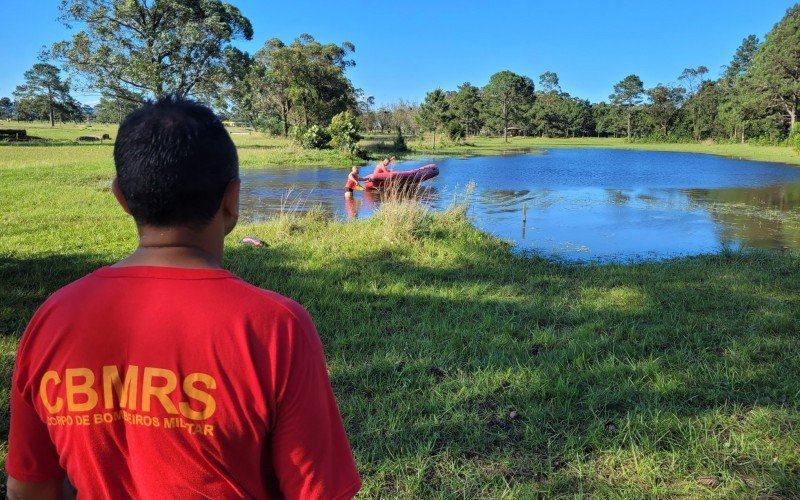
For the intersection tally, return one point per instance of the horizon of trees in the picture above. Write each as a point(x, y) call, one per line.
point(287, 88)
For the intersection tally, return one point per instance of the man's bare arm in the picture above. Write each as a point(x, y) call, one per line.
point(48, 490)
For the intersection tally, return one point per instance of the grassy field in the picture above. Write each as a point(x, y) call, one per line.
point(465, 370)
point(260, 150)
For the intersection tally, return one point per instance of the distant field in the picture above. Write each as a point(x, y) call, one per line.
point(261, 150)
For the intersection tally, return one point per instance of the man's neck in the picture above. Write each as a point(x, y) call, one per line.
point(177, 247)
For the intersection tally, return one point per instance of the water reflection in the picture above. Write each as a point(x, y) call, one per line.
point(581, 204)
point(763, 217)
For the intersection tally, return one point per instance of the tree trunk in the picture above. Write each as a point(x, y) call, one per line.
point(50, 103)
point(630, 112)
point(505, 121)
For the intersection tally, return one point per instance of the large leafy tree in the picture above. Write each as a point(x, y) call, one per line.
point(608, 119)
point(775, 71)
point(45, 94)
point(434, 112)
point(742, 59)
point(694, 78)
point(548, 82)
point(665, 103)
point(628, 93)
point(6, 108)
point(466, 102)
point(305, 82)
point(548, 115)
point(140, 49)
point(508, 97)
point(112, 110)
point(578, 116)
point(739, 105)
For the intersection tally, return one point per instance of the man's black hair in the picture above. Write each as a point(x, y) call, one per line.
point(174, 159)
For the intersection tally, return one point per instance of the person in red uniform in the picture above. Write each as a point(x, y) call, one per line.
point(352, 183)
point(383, 166)
point(164, 375)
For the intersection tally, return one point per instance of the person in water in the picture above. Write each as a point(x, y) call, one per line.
point(383, 167)
point(352, 182)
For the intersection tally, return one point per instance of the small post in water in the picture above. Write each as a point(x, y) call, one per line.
point(524, 218)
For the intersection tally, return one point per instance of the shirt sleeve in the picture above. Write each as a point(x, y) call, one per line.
point(308, 445)
point(32, 457)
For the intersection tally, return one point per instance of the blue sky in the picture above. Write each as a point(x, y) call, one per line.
point(406, 48)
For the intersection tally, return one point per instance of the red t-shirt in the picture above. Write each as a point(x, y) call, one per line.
point(163, 382)
point(381, 168)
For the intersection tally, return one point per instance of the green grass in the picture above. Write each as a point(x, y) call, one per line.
point(261, 150)
point(627, 380)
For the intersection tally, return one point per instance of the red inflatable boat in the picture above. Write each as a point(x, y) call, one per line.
point(402, 177)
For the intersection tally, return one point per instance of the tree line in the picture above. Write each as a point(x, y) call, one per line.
point(755, 97)
point(132, 51)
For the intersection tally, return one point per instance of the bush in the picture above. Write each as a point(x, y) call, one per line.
point(795, 137)
point(455, 131)
point(315, 137)
point(271, 125)
point(400, 141)
point(344, 134)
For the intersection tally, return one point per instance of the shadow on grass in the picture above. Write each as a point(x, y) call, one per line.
point(512, 372)
point(485, 373)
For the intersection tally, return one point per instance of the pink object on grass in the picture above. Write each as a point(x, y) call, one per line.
point(253, 241)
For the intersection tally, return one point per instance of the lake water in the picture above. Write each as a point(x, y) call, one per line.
point(582, 204)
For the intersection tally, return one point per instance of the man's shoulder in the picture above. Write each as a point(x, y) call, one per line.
point(269, 297)
point(234, 292)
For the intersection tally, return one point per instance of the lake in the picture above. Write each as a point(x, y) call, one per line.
point(581, 204)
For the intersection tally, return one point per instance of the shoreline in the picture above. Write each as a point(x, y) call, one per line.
point(257, 150)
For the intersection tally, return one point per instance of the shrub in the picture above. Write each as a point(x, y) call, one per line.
point(455, 131)
point(400, 141)
point(795, 137)
point(343, 132)
point(315, 137)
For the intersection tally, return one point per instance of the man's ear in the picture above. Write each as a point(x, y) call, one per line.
point(230, 204)
point(119, 196)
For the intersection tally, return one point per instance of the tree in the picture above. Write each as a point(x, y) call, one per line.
point(6, 108)
point(548, 82)
point(628, 93)
point(434, 112)
point(45, 93)
point(739, 104)
point(466, 103)
point(243, 78)
point(578, 116)
point(775, 71)
point(140, 49)
point(548, 115)
point(305, 82)
point(112, 110)
point(665, 102)
point(607, 119)
point(508, 96)
point(742, 59)
point(344, 131)
point(693, 77)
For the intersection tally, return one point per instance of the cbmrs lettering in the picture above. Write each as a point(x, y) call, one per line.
point(81, 390)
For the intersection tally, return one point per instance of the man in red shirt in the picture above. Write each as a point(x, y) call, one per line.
point(163, 375)
point(383, 166)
